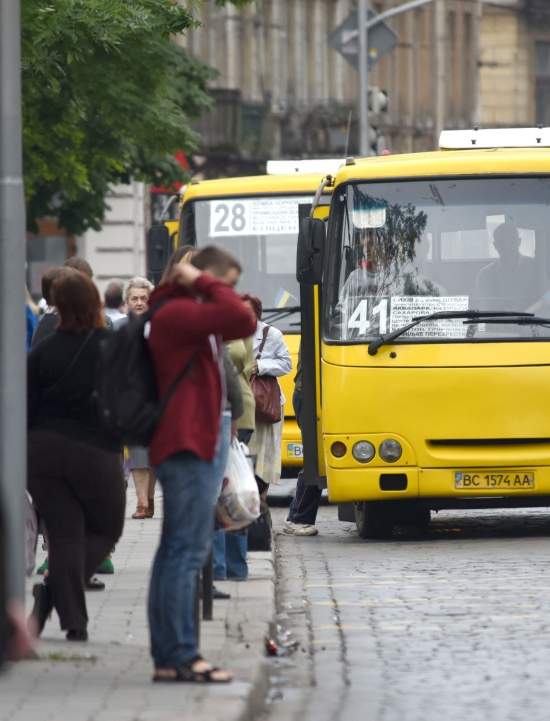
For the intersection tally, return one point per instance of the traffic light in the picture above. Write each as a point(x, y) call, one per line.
point(378, 101)
point(378, 108)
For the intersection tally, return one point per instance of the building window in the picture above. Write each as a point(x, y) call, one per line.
point(542, 64)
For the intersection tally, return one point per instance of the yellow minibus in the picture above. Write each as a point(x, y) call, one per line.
point(427, 371)
point(256, 219)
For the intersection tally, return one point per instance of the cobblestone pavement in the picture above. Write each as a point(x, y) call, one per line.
point(454, 625)
point(108, 678)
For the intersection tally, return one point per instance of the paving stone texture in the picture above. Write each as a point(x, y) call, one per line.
point(453, 624)
point(108, 678)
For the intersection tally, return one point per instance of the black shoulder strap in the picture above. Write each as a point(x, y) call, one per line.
point(71, 365)
point(174, 384)
point(180, 376)
point(262, 344)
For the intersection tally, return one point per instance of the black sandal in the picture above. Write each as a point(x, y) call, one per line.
point(186, 674)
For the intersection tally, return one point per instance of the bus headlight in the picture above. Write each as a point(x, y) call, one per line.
point(363, 451)
point(390, 451)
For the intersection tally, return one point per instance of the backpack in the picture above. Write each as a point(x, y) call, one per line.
point(127, 396)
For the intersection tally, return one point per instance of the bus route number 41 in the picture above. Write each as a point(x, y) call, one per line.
point(359, 319)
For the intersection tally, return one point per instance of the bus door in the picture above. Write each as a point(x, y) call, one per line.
point(309, 260)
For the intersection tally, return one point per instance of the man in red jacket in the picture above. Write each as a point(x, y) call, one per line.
point(198, 313)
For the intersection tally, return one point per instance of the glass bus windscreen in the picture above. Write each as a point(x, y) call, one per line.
point(262, 233)
point(414, 248)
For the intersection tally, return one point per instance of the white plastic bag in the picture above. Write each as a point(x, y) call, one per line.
point(31, 535)
point(239, 502)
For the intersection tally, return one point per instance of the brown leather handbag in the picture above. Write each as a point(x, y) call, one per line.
point(266, 392)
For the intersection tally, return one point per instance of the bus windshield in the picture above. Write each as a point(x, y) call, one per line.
point(262, 233)
point(412, 248)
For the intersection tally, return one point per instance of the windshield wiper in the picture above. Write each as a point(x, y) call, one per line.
point(519, 318)
point(471, 316)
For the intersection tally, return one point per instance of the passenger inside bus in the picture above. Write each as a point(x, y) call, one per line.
point(378, 275)
point(512, 279)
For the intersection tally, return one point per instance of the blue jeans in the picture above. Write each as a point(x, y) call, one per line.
point(230, 551)
point(190, 488)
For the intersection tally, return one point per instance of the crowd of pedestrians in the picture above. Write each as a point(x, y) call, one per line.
point(207, 344)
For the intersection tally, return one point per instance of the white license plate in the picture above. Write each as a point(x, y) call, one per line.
point(295, 450)
point(494, 480)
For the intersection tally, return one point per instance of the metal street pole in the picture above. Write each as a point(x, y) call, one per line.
point(12, 299)
point(387, 14)
point(363, 94)
point(410, 5)
point(440, 69)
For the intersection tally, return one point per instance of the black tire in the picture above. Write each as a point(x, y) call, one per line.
point(374, 519)
point(416, 517)
point(422, 518)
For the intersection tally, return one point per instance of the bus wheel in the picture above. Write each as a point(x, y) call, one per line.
point(373, 519)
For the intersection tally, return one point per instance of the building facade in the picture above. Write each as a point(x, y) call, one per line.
point(283, 91)
point(515, 63)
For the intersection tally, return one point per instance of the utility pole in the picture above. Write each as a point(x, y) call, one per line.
point(476, 100)
point(363, 25)
point(440, 29)
point(363, 94)
point(12, 299)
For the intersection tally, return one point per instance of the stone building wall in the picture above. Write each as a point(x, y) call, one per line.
point(506, 69)
point(290, 93)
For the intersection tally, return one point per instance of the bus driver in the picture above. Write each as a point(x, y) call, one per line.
point(512, 281)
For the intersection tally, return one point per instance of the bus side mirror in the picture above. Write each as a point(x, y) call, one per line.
point(159, 250)
point(311, 245)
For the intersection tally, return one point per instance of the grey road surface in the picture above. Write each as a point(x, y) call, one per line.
point(452, 625)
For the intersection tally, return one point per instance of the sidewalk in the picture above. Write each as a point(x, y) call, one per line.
point(108, 678)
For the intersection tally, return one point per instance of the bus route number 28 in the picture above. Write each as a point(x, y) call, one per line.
point(229, 218)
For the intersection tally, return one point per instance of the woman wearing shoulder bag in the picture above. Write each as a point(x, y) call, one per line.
point(272, 360)
point(74, 468)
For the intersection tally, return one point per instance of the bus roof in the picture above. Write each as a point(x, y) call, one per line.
point(252, 185)
point(441, 163)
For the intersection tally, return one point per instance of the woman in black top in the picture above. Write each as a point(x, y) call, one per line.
point(74, 469)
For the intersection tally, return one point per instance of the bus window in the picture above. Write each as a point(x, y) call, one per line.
point(262, 234)
point(439, 245)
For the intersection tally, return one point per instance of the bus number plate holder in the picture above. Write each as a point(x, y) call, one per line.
point(295, 450)
point(494, 480)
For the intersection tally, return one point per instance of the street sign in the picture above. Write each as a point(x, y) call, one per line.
point(345, 40)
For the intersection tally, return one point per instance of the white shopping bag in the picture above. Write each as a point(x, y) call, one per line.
point(31, 535)
point(239, 502)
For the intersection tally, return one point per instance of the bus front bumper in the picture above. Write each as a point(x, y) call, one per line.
point(521, 486)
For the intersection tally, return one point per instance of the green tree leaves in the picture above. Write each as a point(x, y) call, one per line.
point(107, 95)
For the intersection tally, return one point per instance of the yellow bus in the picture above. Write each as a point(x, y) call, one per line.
point(256, 219)
point(427, 372)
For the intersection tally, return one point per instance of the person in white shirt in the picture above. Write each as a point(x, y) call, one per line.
point(114, 301)
point(274, 360)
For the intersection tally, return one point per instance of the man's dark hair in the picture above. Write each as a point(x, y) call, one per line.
point(47, 280)
point(114, 294)
point(79, 264)
point(216, 259)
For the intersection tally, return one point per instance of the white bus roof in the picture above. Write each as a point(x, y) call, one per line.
point(323, 166)
point(495, 138)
